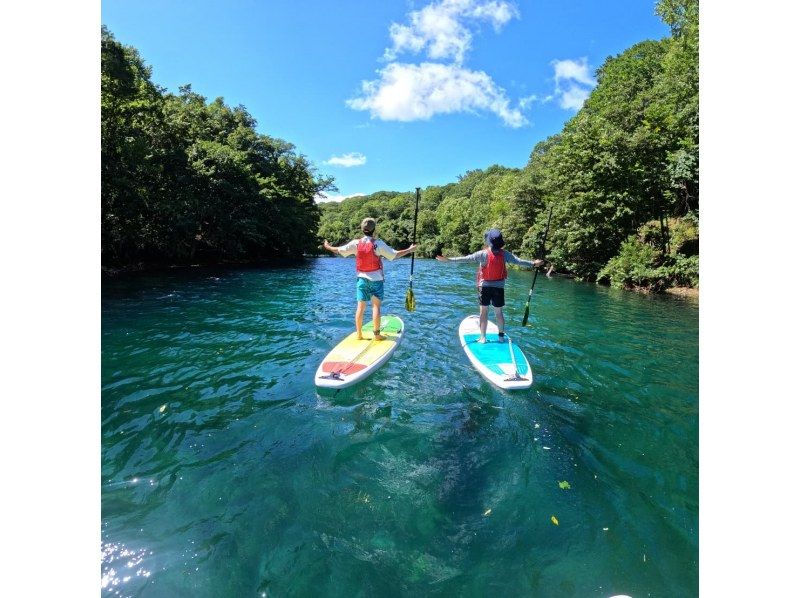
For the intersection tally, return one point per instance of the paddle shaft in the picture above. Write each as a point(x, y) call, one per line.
point(414, 239)
point(536, 270)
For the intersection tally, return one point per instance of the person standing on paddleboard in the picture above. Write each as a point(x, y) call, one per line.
point(491, 278)
point(369, 268)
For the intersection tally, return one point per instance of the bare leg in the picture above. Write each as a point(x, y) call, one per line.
point(500, 318)
point(360, 307)
point(483, 321)
point(376, 319)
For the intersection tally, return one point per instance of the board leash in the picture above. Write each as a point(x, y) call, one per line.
point(516, 375)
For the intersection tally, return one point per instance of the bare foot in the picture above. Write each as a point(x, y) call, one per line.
point(379, 337)
point(360, 338)
point(482, 340)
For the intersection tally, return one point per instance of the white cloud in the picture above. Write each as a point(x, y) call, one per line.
point(527, 101)
point(574, 82)
point(443, 31)
point(498, 13)
point(408, 92)
point(347, 160)
point(322, 197)
point(573, 97)
point(442, 28)
point(577, 70)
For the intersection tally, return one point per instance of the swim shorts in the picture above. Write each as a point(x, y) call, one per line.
point(367, 288)
point(494, 295)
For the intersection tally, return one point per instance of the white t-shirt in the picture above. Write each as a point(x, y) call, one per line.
point(381, 248)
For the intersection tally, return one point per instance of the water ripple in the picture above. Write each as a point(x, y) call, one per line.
point(226, 472)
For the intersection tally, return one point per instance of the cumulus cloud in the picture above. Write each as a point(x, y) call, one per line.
point(573, 97)
point(527, 101)
point(497, 13)
point(443, 29)
point(322, 197)
point(575, 70)
point(348, 160)
point(407, 92)
point(574, 82)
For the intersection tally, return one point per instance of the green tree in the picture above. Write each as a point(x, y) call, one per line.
point(627, 162)
point(185, 180)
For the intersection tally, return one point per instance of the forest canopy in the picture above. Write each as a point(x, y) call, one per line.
point(185, 180)
point(622, 178)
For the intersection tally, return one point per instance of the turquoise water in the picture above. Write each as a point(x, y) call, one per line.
point(226, 473)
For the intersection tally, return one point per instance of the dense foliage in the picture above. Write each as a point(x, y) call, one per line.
point(621, 177)
point(644, 264)
point(185, 180)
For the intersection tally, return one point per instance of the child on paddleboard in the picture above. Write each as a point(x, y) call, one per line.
point(369, 268)
point(492, 276)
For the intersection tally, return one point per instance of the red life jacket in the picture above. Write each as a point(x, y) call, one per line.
point(495, 268)
point(367, 259)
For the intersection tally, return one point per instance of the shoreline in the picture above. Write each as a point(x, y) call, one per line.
point(143, 268)
point(688, 292)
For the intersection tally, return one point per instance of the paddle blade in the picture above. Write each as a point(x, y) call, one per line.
point(525, 317)
point(411, 301)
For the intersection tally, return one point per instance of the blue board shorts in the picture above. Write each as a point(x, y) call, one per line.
point(367, 288)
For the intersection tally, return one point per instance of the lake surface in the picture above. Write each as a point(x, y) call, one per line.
point(226, 473)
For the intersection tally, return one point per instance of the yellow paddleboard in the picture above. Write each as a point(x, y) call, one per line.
point(352, 360)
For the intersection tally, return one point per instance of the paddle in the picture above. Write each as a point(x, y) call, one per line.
point(536, 270)
point(411, 302)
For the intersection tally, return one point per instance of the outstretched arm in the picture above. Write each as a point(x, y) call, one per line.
point(534, 264)
point(406, 251)
point(479, 257)
point(330, 247)
point(513, 259)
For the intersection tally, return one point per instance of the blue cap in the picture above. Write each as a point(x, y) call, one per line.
point(494, 238)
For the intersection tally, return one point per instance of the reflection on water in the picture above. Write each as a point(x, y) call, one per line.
point(226, 472)
point(121, 564)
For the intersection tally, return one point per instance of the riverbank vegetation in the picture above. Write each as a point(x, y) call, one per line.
point(622, 177)
point(186, 181)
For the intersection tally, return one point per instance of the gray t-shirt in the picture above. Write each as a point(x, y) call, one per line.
point(482, 257)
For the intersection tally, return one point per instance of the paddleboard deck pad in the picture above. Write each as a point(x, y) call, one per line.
point(352, 360)
point(493, 359)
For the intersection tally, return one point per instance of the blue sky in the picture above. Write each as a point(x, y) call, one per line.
point(394, 94)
